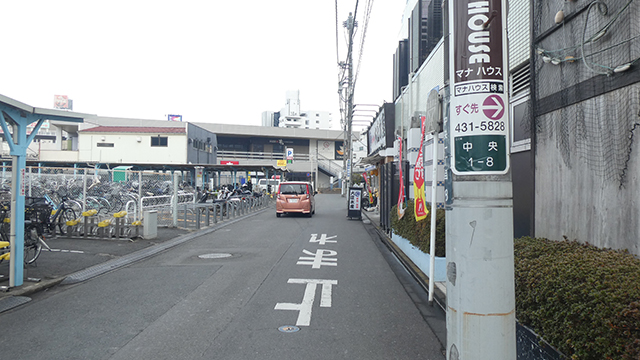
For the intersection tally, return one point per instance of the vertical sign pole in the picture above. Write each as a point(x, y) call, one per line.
point(480, 279)
point(434, 208)
point(16, 235)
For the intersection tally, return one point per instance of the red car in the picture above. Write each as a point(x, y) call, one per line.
point(295, 197)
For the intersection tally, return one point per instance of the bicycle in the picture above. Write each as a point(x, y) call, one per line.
point(60, 214)
point(33, 239)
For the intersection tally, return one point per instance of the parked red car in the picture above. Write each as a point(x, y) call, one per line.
point(295, 197)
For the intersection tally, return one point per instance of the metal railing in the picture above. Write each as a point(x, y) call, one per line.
point(198, 215)
point(224, 154)
point(328, 165)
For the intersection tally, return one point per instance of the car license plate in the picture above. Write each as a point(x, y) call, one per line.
point(293, 200)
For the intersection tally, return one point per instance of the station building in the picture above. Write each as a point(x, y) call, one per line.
point(225, 152)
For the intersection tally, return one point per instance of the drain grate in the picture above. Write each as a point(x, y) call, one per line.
point(215, 256)
point(289, 329)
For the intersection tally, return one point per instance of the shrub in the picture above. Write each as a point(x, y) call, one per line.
point(419, 233)
point(583, 300)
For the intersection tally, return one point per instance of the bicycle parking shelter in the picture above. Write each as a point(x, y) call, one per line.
point(20, 115)
point(234, 170)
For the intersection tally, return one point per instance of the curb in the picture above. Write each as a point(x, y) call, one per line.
point(439, 296)
point(9, 301)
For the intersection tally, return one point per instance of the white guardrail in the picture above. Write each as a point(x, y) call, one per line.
point(165, 202)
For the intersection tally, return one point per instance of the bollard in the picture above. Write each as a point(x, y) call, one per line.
point(185, 216)
point(150, 227)
point(197, 217)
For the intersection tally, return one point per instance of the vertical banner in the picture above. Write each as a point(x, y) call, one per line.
point(339, 150)
point(199, 176)
point(401, 192)
point(366, 181)
point(420, 210)
point(479, 115)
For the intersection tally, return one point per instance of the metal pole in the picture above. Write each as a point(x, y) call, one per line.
point(139, 195)
point(16, 233)
point(434, 208)
point(174, 199)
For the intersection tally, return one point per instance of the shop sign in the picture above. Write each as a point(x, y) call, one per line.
point(479, 119)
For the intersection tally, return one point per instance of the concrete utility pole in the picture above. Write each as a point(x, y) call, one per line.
point(350, 24)
point(479, 200)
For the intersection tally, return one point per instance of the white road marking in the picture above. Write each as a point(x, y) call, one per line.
point(305, 307)
point(318, 259)
point(323, 239)
point(65, 251)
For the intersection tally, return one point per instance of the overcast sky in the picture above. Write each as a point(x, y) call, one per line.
point(210, 61)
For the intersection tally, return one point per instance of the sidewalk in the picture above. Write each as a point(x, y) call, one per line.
point(440, 289)
point(70, 255)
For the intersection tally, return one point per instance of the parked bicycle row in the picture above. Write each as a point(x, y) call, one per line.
point(40, 220)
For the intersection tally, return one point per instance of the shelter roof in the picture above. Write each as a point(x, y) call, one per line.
point(136, 129)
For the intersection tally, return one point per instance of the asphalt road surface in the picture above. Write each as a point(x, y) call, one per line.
point(263, 288)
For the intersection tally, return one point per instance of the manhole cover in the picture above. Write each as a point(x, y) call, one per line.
point(288, 329)
point(215, 256)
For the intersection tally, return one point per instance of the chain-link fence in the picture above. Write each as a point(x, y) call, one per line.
point(586, 99)
point(105, 191)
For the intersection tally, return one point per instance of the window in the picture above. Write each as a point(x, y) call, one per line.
point(159, 141)
point(104, 144)
point(520, 123)
point(293, 189)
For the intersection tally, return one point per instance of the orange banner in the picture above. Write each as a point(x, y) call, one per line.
point(420, 209)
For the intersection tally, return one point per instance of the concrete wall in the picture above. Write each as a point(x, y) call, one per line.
point(573, 197)
point(202, 145)
point(587, 125)
point(127, 148)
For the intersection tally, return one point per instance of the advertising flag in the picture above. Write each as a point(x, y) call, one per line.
point(366, 181)
point(420, 209)
point(401, 192)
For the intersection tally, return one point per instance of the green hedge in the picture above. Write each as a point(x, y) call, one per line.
point(583, 300)
point(419, 233)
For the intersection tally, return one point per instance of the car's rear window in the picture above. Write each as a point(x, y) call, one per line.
point(293, 189)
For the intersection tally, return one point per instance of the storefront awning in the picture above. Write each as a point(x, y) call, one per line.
point(372, 160)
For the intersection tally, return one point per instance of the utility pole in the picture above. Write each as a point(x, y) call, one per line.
point(479, 201)
point(350, 24)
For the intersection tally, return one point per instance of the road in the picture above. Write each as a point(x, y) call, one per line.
point(262, 288)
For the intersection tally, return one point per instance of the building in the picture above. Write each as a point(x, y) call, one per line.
point(166, 145)
point(291, 116)
point(188, 144)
